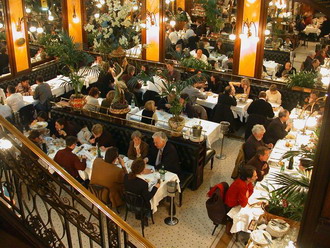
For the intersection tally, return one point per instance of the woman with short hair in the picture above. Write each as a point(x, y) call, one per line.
point(137, 147)
point(92, 103)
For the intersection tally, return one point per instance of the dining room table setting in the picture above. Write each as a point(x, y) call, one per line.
point(92, 152)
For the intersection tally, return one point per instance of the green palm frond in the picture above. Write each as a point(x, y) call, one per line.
point(294, 187)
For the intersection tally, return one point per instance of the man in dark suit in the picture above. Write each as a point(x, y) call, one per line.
point(255, 141)
point(70, 161)
point(163, 153)
point(200, 29)
point(259, 161)
point(258, 111)
point(171, 74)
point(222, 111)
point(278, 128)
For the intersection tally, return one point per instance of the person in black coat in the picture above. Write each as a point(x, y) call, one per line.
point(286, 70)
point(4, 61)
point(188, 108)
point(214, 85)
point(149, 113)
point(134, 184)
point(200, 29)
point(278, 128)
point(258, 111)
point(163, 153)
point(101, 137)
point(222, 111)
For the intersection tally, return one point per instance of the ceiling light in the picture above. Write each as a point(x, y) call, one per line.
point(232, 37)
point(28, 10)
point(97, 15)
point(267, 32)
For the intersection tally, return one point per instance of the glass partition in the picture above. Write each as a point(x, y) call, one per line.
point(44, 18)
point(4, 57)
point(201, 37)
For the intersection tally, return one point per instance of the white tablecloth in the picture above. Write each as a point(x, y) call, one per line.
point(271, 67)
point(57, 85)
point(310, 29)
point(238, 111)
point(210, 129)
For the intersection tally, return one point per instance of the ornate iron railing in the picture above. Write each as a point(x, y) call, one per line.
point(55, 207)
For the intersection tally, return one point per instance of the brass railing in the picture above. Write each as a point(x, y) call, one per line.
point(49, 205)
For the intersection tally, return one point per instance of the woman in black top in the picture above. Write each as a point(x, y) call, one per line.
point(214, 84)
point(149, 113)
point(134, 184)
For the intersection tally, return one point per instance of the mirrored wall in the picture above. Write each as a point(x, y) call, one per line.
point(43, 18)
point(4, 57)
point(201, 37)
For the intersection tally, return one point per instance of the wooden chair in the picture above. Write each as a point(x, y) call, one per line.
point(239, 163)
point(137, 205)
point(99, 191)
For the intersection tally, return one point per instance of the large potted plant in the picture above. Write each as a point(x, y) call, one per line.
point(173, 91)
point(73, 64)
point(302, 80)
point(288, 198)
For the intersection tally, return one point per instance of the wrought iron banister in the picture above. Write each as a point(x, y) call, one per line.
point(48, 204)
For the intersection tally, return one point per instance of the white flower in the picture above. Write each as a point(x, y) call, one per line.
point(123, 41)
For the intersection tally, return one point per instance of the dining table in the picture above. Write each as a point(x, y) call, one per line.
point(211, 130)
point(311, 29)
point(90, 152)
point(239, 111)
point(242, 216)
point(57, 85)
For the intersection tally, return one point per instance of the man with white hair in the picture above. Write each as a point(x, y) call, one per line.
point(163, 153)
point(255, 141)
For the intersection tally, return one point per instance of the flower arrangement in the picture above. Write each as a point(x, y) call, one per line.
point(116, 27)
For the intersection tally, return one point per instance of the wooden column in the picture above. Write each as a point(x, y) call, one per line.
point(248, 48)
point(155, 33)
point(75, 26)
point(181, 3)
point(17, 32)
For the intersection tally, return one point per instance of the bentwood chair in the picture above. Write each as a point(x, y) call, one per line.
point(100, 191)
point(137, 205)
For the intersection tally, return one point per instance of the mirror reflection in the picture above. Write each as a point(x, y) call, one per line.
point(44, 18)
point(201, 37)
point(4, 57)
point(296, 40)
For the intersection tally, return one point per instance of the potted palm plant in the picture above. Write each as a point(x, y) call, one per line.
point(302, 81)
point(172, 90)
point(73, 63)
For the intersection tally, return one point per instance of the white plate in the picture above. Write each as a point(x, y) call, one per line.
point(39, 125)
point(258, 237)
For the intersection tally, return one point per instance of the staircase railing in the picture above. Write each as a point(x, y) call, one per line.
point(55, 207)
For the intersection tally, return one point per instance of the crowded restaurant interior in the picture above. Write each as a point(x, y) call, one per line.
point(164, 123)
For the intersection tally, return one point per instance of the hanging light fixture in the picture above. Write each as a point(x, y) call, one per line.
point(172, 23)
point(28, 10)
point(232, 37)
point(97, 15)
point(248, 32)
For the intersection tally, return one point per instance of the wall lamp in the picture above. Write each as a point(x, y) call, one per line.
point(75, 18)
point(249, 31)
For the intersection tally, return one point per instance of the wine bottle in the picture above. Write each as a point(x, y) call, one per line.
point(290, 166)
